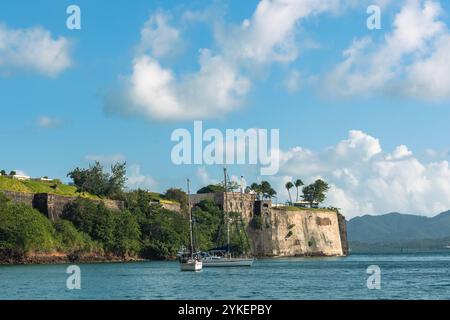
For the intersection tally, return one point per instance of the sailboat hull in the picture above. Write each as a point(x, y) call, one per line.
point(227, 262)
point(191, 266)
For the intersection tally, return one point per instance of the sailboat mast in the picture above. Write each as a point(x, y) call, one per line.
point(191, 236)
point(225, 203)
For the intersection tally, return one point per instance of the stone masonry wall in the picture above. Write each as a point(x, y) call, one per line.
point(52, 205)
point(285, 233)
point(298, 233)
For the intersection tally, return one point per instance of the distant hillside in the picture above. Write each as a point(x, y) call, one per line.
point(399, 230)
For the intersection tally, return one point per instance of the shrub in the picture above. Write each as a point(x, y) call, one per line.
point(24, 230)
point(71, 240)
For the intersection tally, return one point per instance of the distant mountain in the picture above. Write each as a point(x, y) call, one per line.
point(396, 228)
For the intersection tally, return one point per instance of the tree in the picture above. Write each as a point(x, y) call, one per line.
point(256, 188)
point(271, 193)
point(177, 195)
point(95, 181)
point(94, 219)
point(71, 240)
point(232, 186)
point(266, 189)
point(212, 188)
point(23, 230)
point(3, 173)
point(315, 192)
point(12, 173)
point(289, 186)
point(127, 234)
point(298, 183)
point(308, 194)
point(117, 180)
point(320, 190)
point(118, 232)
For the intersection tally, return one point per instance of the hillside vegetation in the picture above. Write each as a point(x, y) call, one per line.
point(33, 186)
point(395, 230)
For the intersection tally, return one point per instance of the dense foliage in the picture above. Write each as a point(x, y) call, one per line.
point(103, 184)
point(212, 188)
point(263, 190)
point(23, 229)
point(117, 232)
point(316, 192)
point(142, 229)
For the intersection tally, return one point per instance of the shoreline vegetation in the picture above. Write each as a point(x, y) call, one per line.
point(88, 231)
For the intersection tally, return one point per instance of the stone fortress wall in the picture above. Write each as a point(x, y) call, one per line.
point(283, 232)
point(52, 205)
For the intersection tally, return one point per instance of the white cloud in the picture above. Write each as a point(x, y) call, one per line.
point(293, 81)
point(400, 152)
point(136, 179)
point(203, 176)
point(156, 93)
point(270, 34)
point(367, 180)
point(223, 80)
point(48, 122)
point(159, 37)
point(33, 49)
point(411, 61)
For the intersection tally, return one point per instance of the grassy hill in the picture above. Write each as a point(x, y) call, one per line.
point(32, 186)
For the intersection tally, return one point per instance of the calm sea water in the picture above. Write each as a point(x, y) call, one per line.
point(406, 276)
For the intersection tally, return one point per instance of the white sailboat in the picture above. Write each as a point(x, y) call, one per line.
point(222, 258)
point(190, 260)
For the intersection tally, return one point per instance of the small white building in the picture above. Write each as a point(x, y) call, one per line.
point(305, 204)
point(21, 177)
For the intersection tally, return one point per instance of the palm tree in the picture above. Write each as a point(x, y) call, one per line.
point(288, 186)
point(256, 188)
point(298, 183)
point(271, 193)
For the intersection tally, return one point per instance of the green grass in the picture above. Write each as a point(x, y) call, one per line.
point(160, 197)
point(31, 186)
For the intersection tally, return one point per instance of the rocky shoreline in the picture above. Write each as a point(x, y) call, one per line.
point(61, 258)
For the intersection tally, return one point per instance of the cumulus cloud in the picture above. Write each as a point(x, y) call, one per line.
point(33, 49)
point(157, 93)
point(368, 180)
point(269, 35)
point(222, 82)
point(159, 37)
point(411, 60)
point(136, 179)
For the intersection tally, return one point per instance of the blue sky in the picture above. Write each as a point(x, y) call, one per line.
point(54, 122)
